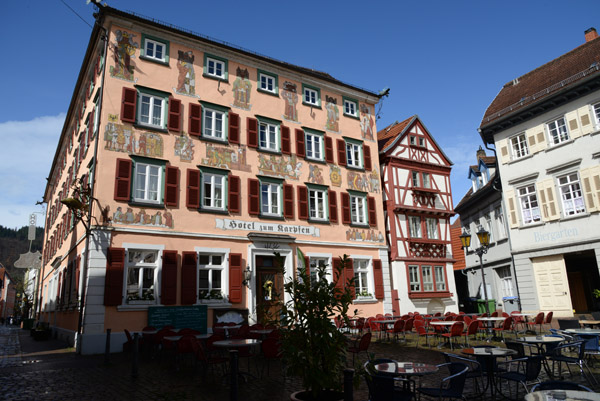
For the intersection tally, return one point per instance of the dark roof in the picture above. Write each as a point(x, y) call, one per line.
point(568, 70)
point(471, 196)
point(229, 46)
point(388, 135)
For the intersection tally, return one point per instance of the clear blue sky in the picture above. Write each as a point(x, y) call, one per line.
point(443, 60)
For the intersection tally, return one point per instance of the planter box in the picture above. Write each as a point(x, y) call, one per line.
point(141, 302)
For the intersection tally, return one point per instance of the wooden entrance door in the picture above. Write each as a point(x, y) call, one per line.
point(269, 283)
point(577, 292)
point(552, 285)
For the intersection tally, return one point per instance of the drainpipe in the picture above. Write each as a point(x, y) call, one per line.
point(92, 181)
point(499, 189)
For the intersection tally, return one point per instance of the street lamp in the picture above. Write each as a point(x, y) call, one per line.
point(484, 241)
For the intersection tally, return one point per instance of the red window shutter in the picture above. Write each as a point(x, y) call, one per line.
point(174, 123)
point(172, 186)
point(253, 197)
point(372, 206)
point(333, 213)
point(233, 203)
point(77, 275)
point(378, 276)
point(235, 278)
point(367, 156)
point(341, 148)
point(337, 278)
point(349, 277)
point(288, 201)
point(286, 145)
point(252, 132)
point(168, 289)
point(123, 180)
point(329, 149)
point(346, 208)
point(195, 119)
point(58, 293)
point(91, 125)
point(193, 189)
point(300, 145)
point(128, 105)
point(234, 128)
point(188, 278)
point(302, 203)
point(113, 283)
point(307, 265)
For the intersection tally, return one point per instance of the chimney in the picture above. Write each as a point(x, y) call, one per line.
point(480, 153)
point(591, 34)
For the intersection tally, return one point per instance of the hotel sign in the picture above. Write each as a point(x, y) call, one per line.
point(273, 228)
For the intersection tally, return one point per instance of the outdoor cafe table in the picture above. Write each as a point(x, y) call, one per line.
point(487, 357)
point(589, 322)
point(262, 332)
point(405, 369)
point(489, 323)
point(235, 344)
point(567, 395)
point(583, 331)
point(384, 323)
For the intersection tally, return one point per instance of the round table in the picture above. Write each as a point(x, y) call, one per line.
point(589, 322)
point(583, 331)
point(236, 343)
point(405, 369)
point(263, 333)
point(569, 395)
point(489, 354)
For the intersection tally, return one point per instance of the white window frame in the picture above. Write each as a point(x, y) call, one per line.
point(316, 258)
point(211, 269)
point(269, 136)
point(432, 225)
point(314, 146)
point(362, 277)
point(558, 132)
point(354, 155)
point(427, 279)
point(271, 199)
point(415, 229)
point(571, 194)
point(211, 180)
point(156, 44)
point(138, 166)
point(488, 226)
point(316, 198)
point(358, 209)
point(505, 276)
point(440, 278)
point(518, 146)
point(214, 64)
point(153, 101)
point(500, 222)
point(426, 178)
point(414, 278)
point(310, 96)
point(266, 80)
point(156, 266)
point(416, 179)
point(596, 113)
point(350, 108)
point(527, 196)
point(213, 116)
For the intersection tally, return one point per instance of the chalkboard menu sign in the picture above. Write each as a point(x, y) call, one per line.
point(193, 317)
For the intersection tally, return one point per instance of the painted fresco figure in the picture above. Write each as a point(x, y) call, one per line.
point(291, 99)
point(241, 89)
point(333, 115)
point(124, 51)
point(366, 123)
point(186, 80)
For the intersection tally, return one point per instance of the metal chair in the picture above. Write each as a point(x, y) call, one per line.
point(572, 353)
point(451, 386)
point(456, 330)
point(548, 320)
point(397, 329)
point(538, 321)
point(383, 387)
point(472, 330)
point(362, 345)
point(506, 326)
point(523, 371)
point(560, 385)
point(422, 331)
point(475, 373)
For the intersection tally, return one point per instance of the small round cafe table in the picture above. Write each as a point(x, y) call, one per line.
point(487, 357)
point(405, 369)
point(587, 330)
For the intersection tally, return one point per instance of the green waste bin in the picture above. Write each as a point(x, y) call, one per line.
point(481, 305)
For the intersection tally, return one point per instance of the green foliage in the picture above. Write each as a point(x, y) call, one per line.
point(596, 293)
point(313, 348)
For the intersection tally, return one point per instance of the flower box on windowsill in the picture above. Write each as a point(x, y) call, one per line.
point(141, 302)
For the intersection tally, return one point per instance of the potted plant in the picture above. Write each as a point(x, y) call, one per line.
point(313, 348)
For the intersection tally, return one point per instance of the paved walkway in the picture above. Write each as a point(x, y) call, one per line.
point(48, 370)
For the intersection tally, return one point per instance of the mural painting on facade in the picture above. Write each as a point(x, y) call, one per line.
point(280, 166)
point(366, 123)
point(233, 158)
point(120, 138)
point(315, 175)
point(184, 148)
point(366, 182)
point(241, 89)
point(290, 96)
point(355, 234)
point(333, 114)
point(142, 218)
point(124, 51)
point(186, 80)
point(335, 175)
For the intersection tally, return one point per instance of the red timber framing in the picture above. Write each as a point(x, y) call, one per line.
point(416, 184)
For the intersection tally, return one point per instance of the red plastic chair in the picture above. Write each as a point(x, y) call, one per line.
point(422, 331)
point(397, 329)
point(538, 321)
point(495, 313)
point(456, 330)
point(362, 345)
point(467, 320)
point(408, 326)
point(548, 320)
point(506, 326)
point(472, 330)
point(271, 350)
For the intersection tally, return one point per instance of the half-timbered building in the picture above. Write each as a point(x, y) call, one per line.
point(417, 208)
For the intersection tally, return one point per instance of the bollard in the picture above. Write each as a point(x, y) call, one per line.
point(134, 366)
point(107, 348)
point(233, 385)
point(348, 385)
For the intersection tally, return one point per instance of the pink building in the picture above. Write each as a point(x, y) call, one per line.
point(204, 158)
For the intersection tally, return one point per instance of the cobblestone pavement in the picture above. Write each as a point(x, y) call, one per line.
point(47, 370)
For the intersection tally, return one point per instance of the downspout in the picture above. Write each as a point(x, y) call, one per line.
point(499, 189)
point(92, 181)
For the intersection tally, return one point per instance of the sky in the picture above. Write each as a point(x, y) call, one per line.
point(442, 60)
